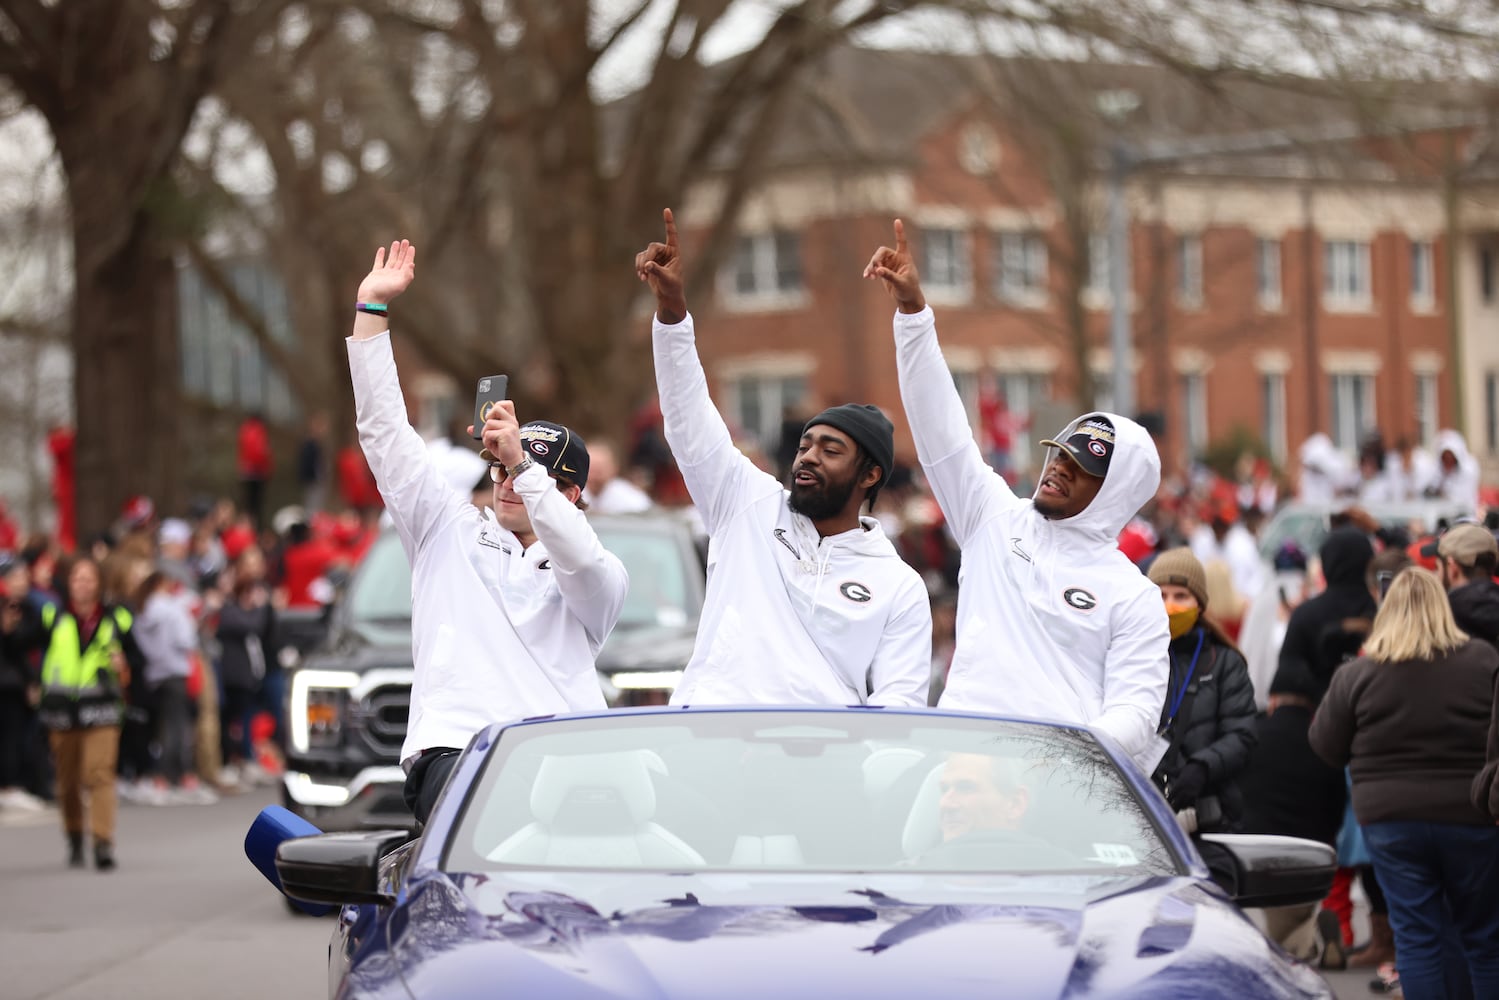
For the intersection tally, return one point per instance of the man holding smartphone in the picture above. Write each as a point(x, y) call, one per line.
point(509, 607)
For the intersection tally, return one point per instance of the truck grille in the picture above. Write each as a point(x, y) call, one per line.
point(385, 711)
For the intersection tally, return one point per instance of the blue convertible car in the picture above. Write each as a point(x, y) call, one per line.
point(799, 853)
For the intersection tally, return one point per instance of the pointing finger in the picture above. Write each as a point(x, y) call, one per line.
point(900, 237)
point(671, 228)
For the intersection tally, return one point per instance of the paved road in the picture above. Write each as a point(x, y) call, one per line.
point(184, 916)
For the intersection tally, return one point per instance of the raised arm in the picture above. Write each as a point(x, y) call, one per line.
point(592, 580)
point(720, 478)
point(416, 495)
point(967, 490)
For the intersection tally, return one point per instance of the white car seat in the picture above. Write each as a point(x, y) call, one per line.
point(595, 810)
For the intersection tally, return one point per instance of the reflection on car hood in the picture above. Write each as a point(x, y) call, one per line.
point(787, 937)
point(650, 647)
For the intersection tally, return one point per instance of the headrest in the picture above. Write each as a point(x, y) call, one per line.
point(621, 778)
point(923, 826)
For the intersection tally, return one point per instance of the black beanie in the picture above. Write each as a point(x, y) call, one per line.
point(869, 428)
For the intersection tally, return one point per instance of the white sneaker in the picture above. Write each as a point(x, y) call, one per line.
point(200, 795)
point(229, 775)
point(152, 794)
point(126, 791)
point(20, 800)
point(257, 776)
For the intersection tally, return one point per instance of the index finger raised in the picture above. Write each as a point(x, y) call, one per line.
point(671, 228)
point(900, 237)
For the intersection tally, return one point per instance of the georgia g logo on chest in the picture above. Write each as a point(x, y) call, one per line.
point(1080, 600)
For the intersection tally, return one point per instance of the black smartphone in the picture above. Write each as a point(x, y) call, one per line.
point(1383, 578)
point(492, 389)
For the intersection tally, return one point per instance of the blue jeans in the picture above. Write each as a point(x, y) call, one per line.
point(1442, 883)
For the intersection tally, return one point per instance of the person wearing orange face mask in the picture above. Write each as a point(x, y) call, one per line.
point(1208, 718)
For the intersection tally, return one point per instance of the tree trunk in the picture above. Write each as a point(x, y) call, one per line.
point(128, 372)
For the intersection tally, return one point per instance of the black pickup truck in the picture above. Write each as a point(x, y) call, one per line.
point(348, 699)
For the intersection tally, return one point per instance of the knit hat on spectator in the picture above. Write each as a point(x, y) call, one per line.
point(1180, 568)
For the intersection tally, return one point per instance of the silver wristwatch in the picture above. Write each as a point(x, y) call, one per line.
point(521, 466)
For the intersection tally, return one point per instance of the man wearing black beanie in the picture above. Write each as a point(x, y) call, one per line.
point(808, 601)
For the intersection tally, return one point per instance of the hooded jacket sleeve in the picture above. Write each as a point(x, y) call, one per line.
point(1134, 678)
point(592, 580)
point(967, 490)
point(722, 481)
point(1228, 754)
point(902, 669)
point(419, 500)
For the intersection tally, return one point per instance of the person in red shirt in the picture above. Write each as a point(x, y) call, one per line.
point(356, 484)
point(255, 464)
point(60, 446)
point(306, 559)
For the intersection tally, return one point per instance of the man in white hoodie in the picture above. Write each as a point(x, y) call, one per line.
point(808, 602)
point(1054, 621)
point(508, 606)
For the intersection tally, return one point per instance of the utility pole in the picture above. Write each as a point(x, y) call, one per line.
point(1120, 339)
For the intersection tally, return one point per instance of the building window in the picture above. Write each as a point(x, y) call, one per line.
point(945, 266)
point(1491, 411)
point(1189, 270)
point(1423, 277)
point(758, 404)
point(1273, 406)
point(1426, 409)
point(1020, 267)
point(1352, 409)
point(766, 265)
point(1020, 395)
point(1100, 260)
point(1345, 275)
point(1267, 273)
point(1195, 412)
point(1103, 391)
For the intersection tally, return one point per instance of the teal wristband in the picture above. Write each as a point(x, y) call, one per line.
point(373, 308)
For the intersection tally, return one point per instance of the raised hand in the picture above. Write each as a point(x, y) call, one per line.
point(391, 274)
point(896, 270)
point(502, 434)
point(660, 266)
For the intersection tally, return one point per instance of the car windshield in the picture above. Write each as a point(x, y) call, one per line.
point(661, 592)
point(804, 791)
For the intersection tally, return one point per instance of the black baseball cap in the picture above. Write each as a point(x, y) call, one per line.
point(1090, 445)
point(555, 448)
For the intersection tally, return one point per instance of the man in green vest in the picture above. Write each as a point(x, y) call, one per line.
point(89, 656)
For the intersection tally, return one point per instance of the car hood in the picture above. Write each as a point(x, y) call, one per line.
point(729, 936)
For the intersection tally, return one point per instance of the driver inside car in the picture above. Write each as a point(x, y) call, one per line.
point(980, 794)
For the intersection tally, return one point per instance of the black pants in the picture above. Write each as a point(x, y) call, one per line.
point(426, 780)
point(174, 728)
point(15, 729)
point(255, 500)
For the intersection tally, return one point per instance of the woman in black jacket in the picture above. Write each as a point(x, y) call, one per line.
point(1208, 717)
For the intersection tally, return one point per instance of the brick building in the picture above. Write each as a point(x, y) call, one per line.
point(1285, 280)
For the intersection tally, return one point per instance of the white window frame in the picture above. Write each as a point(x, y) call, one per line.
point(1347, 276)
point(768, 294)
point(946, 264)
point(1197, 434)
point(1354, 409)
point(1097, 292)
point(1267, 274)
point(771, 385)
point(1491, 411)
point(1189, 271)
point(1423, 277)
point(1273, 414)
point(1427, 407)
point(1021, 267)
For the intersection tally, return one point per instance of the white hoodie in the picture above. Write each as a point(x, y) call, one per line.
point(1461, 484)
point(1054, 622)
point(789, 617)
point(498, 632)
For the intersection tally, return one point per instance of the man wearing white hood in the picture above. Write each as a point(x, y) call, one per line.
point(1457, 475)
point(1054, 621)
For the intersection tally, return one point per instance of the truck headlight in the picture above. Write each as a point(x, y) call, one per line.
point(316, 706)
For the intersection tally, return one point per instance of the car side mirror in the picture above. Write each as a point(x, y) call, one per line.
point(338, 867)
point(1277, 871)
